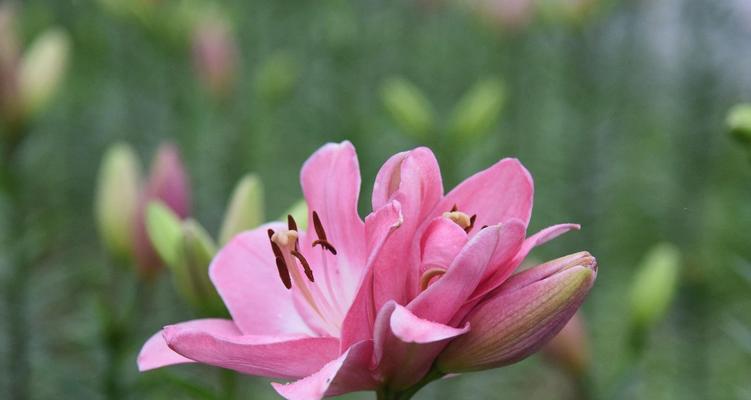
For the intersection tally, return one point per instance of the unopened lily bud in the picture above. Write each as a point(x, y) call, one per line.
point(245, 209)
point(298, 211)
point(116, 200)
point(165, 231)
point(508, 15)
point(190, 270)
point(42, 68)
point(215, 54)
point(528, 310)
point(478, 110)
point(167, 183)
point(9, 58)
point(739, 122)
point(654, 286)
point(409, 108)
point(569, 349)
point(277, 76)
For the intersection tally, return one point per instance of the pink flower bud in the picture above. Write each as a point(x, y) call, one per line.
point(570, 349)
point(167, 183)
point(215, 55)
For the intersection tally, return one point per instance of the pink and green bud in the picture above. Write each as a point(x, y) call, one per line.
point(164, 228)
point(654, 286)
point(215, 54)
point(117, 198)
point(42, 68)
point(526, 311)
point(569, 349)
point(408, 107)
point(9, 58)
point(245, 209)
point(167, 183)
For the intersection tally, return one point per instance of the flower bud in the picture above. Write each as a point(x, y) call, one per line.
point(654, 285)
point(190, 271)
point(569, 349)
point(277, 76)
point(522, 315)
point(215, 54)
point(42, 68)
point(165, 231)
point(167, 183)
point(245, 209)
point(739, 123)
point(409, 108)
point(508, 15)
point(9, 58)
point(117, 198)
point(478, 110)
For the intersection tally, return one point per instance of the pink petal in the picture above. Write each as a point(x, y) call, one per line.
point(497, 194)
point(348, 373)
point(414, 179)
point(156, 354)
point(442, 299)
point(246, 277)
point(330, 181)
point(541, 238)
point(441, 242)
point(379, 226)
point(280, 356)
point(406, 345)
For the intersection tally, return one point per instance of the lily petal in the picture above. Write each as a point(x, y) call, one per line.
point(414, 179)
point(246, 277)
point(280, 356)
point(497, 194)
point(441, 300)
point(379, 226)
point(406, 345)
point(330, 181)
point(441, 242)
point(541, 238)
point(156, 354)
point(348, 373)
point(518, 319)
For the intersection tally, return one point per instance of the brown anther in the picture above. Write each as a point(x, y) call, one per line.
point(291, 224)
point(483, 227)
point(283, 272)
point(304, 263)
point(322, 240)
point(472, 220)
point(454, 208)
point(428, 276)
point(277, 251)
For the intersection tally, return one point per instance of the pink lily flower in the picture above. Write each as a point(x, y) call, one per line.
point(351, 305)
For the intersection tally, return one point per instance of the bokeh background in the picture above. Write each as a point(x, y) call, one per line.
point(617, 108)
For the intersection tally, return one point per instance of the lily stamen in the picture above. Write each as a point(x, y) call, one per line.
point(428, 276)
point(321, 235)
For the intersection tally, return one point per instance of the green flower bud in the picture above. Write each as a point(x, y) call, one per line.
point(409, 108)
point(739, 122)
point(277, 76)
point(42, 69)
point(245, 209)
point(654, 286)
point(190, 272)
point(478, 110)
point(299, 211)
point(117, 198)
point(164, 230)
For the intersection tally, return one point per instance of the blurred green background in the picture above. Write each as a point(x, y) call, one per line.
point(616, 107)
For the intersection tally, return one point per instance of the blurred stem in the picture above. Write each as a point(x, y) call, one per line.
point(17, 276)
point(628, 370)
point(406, 394)
point(583, 386)
point(229, 384)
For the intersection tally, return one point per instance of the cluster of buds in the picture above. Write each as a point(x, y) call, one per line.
point(28, 79)
point(148, 223)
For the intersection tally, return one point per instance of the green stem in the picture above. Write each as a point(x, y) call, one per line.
point(406, 394)
point(229, 384)
point(18, 278)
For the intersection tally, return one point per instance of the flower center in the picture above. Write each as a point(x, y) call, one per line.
point(462, 219)
point(289, 262)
